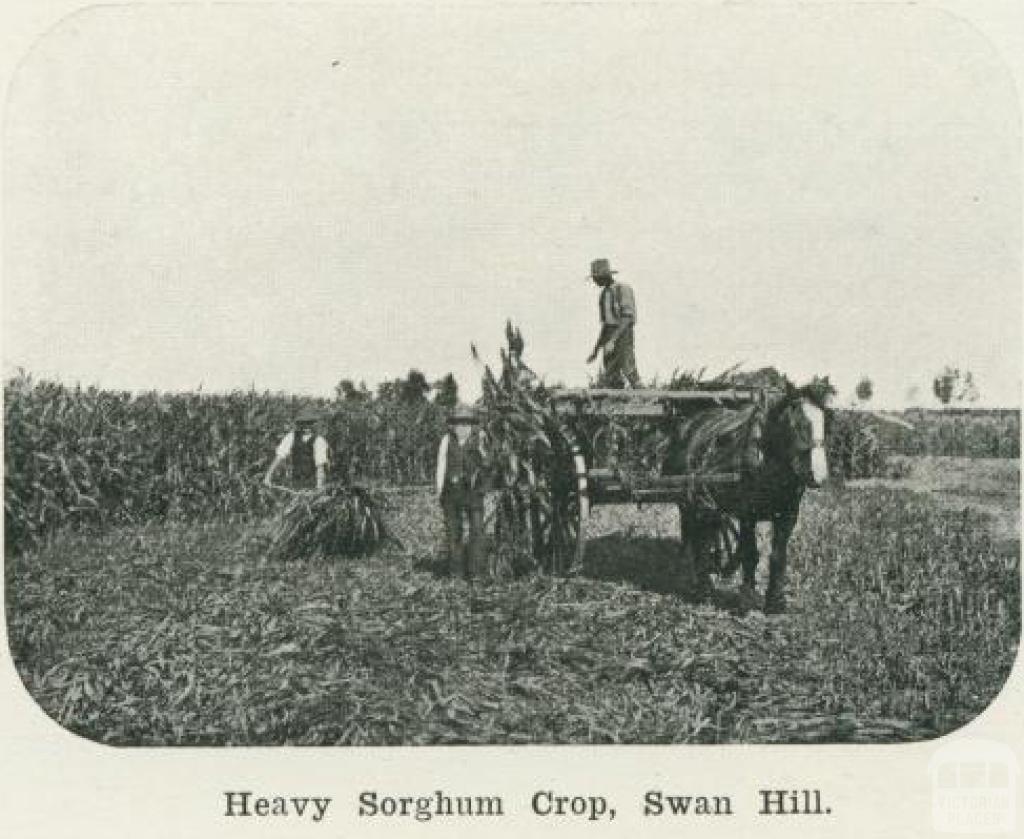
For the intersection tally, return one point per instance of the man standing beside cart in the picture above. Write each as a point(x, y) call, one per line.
point(460, 491)
point(618, 317)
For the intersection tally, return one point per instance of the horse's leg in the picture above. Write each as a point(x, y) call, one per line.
point(782, 528)
point(685, 563)
point(693, 553)
point(747, 549)
point(537, 537)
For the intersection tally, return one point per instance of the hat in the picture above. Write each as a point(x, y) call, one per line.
point(309, 414)
point(463, 414)
point(601, 268)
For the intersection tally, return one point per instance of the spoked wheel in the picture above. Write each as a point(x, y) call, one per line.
point(722, 544)
point(561, 541)
point(566, 534)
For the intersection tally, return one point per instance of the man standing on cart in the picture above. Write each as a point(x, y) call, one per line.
point(618, 317)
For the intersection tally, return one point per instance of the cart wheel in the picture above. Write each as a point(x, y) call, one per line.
point(724, 546)
point(566, 535)
point(563, 537)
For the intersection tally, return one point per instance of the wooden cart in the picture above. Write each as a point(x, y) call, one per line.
point(579, 481)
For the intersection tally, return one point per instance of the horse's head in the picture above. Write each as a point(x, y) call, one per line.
point(799, 431)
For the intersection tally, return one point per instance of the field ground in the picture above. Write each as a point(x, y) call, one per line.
point(990, 486)
point(904, 622)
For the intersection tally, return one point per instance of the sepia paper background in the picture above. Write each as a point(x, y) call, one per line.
point(56, 784)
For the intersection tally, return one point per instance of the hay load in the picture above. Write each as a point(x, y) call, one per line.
point(722, 439)
point(337, 521)
point(731, 438)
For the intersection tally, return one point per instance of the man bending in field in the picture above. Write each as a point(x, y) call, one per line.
point(307, 450)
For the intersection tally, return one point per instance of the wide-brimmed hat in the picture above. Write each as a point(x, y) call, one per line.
point(463, 414)
point(601, 268)
point(309, 414)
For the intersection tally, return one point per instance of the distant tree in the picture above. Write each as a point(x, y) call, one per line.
point(865, 389)
point(942, 386)
point(954, 384)
point(913, 394)
point(414, 388)
point(968, 391)
point(389, 390)
point(446, 391)
point(347, 390)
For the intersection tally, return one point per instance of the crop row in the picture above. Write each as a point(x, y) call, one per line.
point(89, 456)
point(956, 434)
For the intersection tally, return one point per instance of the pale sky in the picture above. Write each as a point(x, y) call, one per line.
point(287, 196)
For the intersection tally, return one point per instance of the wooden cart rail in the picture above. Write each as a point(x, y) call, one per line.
point(609, 486)
point(711, 391)
point(607, 402)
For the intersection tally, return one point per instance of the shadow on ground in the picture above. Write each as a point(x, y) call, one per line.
point(648, 563)
point(651, 564)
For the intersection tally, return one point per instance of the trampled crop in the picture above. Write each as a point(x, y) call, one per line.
point(904, 623)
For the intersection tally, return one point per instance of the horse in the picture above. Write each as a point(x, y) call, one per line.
point(779, 452)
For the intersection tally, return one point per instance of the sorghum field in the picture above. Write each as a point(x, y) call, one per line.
point(903, 624)
point(156, 593)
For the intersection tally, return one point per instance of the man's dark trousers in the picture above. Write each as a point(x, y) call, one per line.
point(457, 504)
point(620, 363)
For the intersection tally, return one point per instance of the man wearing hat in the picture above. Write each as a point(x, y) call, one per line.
point(308, 452)
point(460, 491)
point(618, 316)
